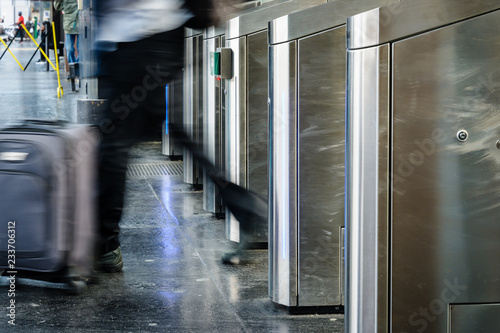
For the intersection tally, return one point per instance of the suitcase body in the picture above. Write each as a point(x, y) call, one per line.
point(47, 208)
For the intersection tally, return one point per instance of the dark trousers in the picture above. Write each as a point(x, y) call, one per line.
point(21, 33)
point(132, 79)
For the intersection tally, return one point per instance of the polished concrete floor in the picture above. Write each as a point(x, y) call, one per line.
point(173, 279)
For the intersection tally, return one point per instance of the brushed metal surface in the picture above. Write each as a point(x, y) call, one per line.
point(321, 150)
point(236, 133)
point(221, 135)
point(469, 318)
point(341, 251)
point(243, 8)
point(445, 192)
point(247, 96)
point(192, 106)
point(257, 20)
point(248, 135)
point(213, 126)
point(257, 123)
point(367, 156)
point(409, 17)
point(211, 105)
point(384, 191)
point(212, 32)
point(89, 82)
point(283, 252)
point(320, 31)
point(314, 19)
point(214, 107)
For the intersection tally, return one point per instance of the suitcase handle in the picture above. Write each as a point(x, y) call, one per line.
point(43, 122)
point(40, 124)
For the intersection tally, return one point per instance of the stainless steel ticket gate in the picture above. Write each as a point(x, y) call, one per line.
point(86, 54)
point(214, 108)
point(214, 115)
point(247, 135)
point(89, 104)
point(307, 146)
point(174, 114)
point(423, 161)
point(192, 103)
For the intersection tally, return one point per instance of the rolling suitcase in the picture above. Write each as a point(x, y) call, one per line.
point(47, 210)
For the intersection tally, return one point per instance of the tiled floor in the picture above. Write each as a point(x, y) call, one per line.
point(173, 280)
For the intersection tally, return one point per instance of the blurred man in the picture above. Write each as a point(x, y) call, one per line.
point(20, 23)
point(140, 44)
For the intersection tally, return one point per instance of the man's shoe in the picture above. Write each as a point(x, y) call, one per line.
point(111, 262)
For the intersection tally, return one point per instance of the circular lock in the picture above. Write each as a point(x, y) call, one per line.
point(462, 135)
point(498, 144)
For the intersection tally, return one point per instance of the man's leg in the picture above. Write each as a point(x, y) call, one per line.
point(77, 37)
point(113, 158)
point(134, 86)
point(70, 41)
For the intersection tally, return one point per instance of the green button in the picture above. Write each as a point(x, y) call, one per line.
point(215, 63)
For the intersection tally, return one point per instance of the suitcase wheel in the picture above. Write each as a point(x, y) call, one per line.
point(76, 287)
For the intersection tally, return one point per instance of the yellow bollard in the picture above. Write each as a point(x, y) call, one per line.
point(59, 89)
point(38, 46)
point(12, 54)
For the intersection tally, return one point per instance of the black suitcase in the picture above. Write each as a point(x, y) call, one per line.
point(47, 209)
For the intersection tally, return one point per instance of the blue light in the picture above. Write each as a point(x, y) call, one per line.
point(166, 109)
